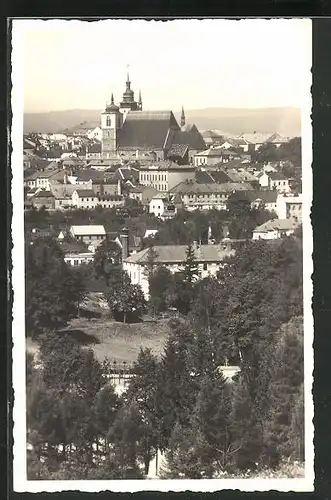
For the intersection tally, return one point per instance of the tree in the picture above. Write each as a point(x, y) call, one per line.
point(124, 298)
point(53, 289)
point(190, 270)
point(124, 436)
point(142, 393)
point(106, 257)
point(291, 151)
point(161, 289)
point(283, 423)
point(266, 153)
point(176, 387)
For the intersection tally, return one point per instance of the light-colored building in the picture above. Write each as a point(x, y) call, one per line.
point(275, 228)
point(275, 180)
point(89, 234)
point(214, 155)
point(289, 207)
point(207, 196)
point(96, 133)
point(84, 198)
point(164, 175)
point(43, 179)
point(76, 259)
point(209, 259)
point(162, 206)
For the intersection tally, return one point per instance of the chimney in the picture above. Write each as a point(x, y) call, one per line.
point(125, 243)
point(119, 187)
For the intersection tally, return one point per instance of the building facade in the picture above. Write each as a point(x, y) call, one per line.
point(209, 259)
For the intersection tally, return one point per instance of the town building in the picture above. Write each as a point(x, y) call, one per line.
point(209, 259)
point(275, 228)
point(275, 180)
point(215, 155)
point(289, 207)
point(88, 234)
point(255, 140)
point(207, 196)
point(164, 175)
point(164, 206)
point(143, 194)
point(259, 199)
point(127, 128)
point(43, 199)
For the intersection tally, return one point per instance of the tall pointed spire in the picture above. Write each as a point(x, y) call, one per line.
point(128, 83)
point(182, 118)
point(112, 99)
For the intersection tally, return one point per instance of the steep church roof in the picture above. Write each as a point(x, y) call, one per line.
point(146, 129)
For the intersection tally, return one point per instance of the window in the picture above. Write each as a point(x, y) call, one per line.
point(205, 266)
point(75, 262)
point(108, 122)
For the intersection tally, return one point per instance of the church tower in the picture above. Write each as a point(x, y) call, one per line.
point(182, 118)
point(111, 122)
point(128, 103)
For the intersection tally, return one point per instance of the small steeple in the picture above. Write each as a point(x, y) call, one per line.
point(182, 118)
point(112, 99)
point(128, 83)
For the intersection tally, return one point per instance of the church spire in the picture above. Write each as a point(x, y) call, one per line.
point(140, 102)
point(182, 118)
point(112, 99)
point(128, 83)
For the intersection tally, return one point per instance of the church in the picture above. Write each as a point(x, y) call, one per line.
point(128, 130)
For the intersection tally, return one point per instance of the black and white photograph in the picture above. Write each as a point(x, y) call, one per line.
point(162, 255)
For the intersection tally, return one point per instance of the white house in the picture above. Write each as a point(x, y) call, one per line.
point(289, 206)
point(76, 259)
point(96, 133)
point(275, 180)
point(84, 198)
point(275, 228)
point(209, 259)
point(89, 234)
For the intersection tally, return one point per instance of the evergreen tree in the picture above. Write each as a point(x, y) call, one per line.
point(190, 269)
point(142, 393)
point(161, 289)
point(285, 391)
point(53, 289)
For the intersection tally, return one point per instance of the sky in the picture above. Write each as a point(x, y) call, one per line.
point(70, 64)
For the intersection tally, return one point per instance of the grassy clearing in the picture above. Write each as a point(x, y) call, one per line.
point(119, 341)
point(108, 338)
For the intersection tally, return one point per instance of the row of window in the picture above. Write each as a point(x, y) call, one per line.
point(208, 196)
point(153, 177)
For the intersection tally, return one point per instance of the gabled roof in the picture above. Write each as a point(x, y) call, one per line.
point(87, 174)
point(253, 196)
point(195, 188)
point(256, 137)
point(146, 129)
point(167, 254)
point(106, 189)
point(277, 176)
point(190, 136)
point(43, 194)
point(83, 193)
point(88, 230)
point(61, 191)
point(277, 224)
point(211, 176)
point(178, 150)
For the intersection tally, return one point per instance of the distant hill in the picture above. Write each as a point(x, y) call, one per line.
point(285, 121)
